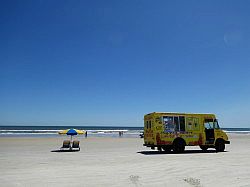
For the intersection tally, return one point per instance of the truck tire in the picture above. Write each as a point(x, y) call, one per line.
point(178, 146)
point(220, 145)
point(204, 147)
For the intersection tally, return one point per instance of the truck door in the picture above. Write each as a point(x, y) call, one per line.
point(209, 130)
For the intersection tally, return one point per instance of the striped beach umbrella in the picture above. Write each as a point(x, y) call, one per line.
point(71, 132)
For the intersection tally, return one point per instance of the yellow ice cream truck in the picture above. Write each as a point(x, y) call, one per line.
point(174, 131)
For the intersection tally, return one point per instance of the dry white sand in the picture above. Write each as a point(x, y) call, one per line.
point(120, 162)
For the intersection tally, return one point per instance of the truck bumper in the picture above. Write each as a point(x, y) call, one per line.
point(227, 142)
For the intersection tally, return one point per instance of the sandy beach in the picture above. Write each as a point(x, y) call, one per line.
point(106, 161)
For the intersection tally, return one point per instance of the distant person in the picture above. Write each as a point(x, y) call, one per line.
point(120, 133)
point(86, 134)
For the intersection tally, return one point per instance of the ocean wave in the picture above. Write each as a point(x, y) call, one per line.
point(238, 132)
point(11, 133)
point(27, 130)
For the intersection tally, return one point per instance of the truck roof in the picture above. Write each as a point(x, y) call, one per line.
point(179, 113)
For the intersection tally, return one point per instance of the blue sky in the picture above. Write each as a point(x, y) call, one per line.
point(111, 62)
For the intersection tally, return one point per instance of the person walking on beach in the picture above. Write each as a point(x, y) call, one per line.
point(86, 134)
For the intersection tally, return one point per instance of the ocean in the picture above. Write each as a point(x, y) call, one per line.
point(53, 130)
point(92, 130)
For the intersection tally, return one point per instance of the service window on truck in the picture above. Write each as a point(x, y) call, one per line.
point(173, 123)
point(168, 122)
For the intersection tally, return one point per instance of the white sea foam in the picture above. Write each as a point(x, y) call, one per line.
point(11, 133)
point(242, 132)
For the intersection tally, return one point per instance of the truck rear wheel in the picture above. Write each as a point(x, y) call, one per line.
point(178, 146)
point(220, 145)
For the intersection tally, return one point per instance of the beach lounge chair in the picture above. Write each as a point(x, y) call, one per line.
point(66, 145)
point(76, 145)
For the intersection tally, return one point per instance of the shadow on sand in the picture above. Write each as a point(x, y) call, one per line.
point(185, 152)
point(59, 151)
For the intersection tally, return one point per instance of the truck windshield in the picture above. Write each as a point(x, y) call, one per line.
point(216, 124)
point(211, 124)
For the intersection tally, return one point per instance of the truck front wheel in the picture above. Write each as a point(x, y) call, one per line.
point(220, 145)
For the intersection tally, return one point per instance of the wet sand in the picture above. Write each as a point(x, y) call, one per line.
point(104, 161)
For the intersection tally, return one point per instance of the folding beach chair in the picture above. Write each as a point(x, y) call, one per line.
point(66, 145)
point(76, 145)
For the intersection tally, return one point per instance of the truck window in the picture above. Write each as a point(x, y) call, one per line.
point(209, 123)
point(216, 124)
point(168, 124)
point(176, 124)
point(182, 123)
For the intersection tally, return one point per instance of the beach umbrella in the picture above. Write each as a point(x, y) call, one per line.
point(72, 132)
